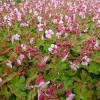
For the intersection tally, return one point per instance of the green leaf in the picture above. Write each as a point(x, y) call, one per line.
point(31, 95)
point(17, 86)
point(2, 58)
point(5, 93)
point(31, 78)
point(82, 93)
point(94, 68)
point(63, 66)
point(68, 83)
point(98, 90)
point(40, 42)
point(52, 73)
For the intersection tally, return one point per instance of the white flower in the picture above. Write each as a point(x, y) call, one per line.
point(19, 16)
point(21, 56)
point(9, 63)
point(49, 33)
point(35, 13)
point(43, 84)
point(24, 24)
point(0, 79)
point(29, 55)
point(15, 37)
point(73, 66)
point(19, 61)
point(66, 35)
point(70, 97)
point(58, 34)
point(96, 44)
point(42, 37)
point(53, 49)
point(23, 46)
point(40, 27)
point(85, 60)
point(54, 21)
point(86, 30)
point(39, 18)
point(31, 40)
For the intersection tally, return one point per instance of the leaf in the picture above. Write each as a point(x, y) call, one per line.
point(94, 68)
point(68, 83)
point(31, 95)
point(2, 57)
point(31, 78)
point(82, 93)
point(10, 77)
point(21, 95)
point(96, 57)
point(98, 90)
point(17, 87)
point(18, 82)
point(5, 93)
point(62, 98)
point(84, 79)
point(63, 66)
point(52, 73)
point(40, 42)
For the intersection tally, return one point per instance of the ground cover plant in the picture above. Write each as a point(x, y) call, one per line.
point(50, 50)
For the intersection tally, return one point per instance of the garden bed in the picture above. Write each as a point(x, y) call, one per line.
point(50, 50)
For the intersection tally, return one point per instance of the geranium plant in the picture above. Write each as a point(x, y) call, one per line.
point(50, 50)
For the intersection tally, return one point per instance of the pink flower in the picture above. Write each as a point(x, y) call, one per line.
point(43, 61)
point(40, 27)
point(85, 60)
point(9, 63)
point(39, 79)
point(53, 49)
point(21, 56)
point(23, 46)
point(73, 65)
point(39, 18)
point(8, 19)
point(42, 37)
point(70, 97)
point(19, 61)
point(29, 55)
point(94, 43)
point(19, 16)
point(65, 57)
point(0, 79)
point(41, 97)
point(86, 30)
point(82, 15)
point(15, 37)
point(49, 33)
point(68, 92)
point(43, 84)
point(35, 13)
point(98, 23)
point(24, 24)
point(54, 21)
point(31, 40)
point(58, 34)
point(66, 35)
